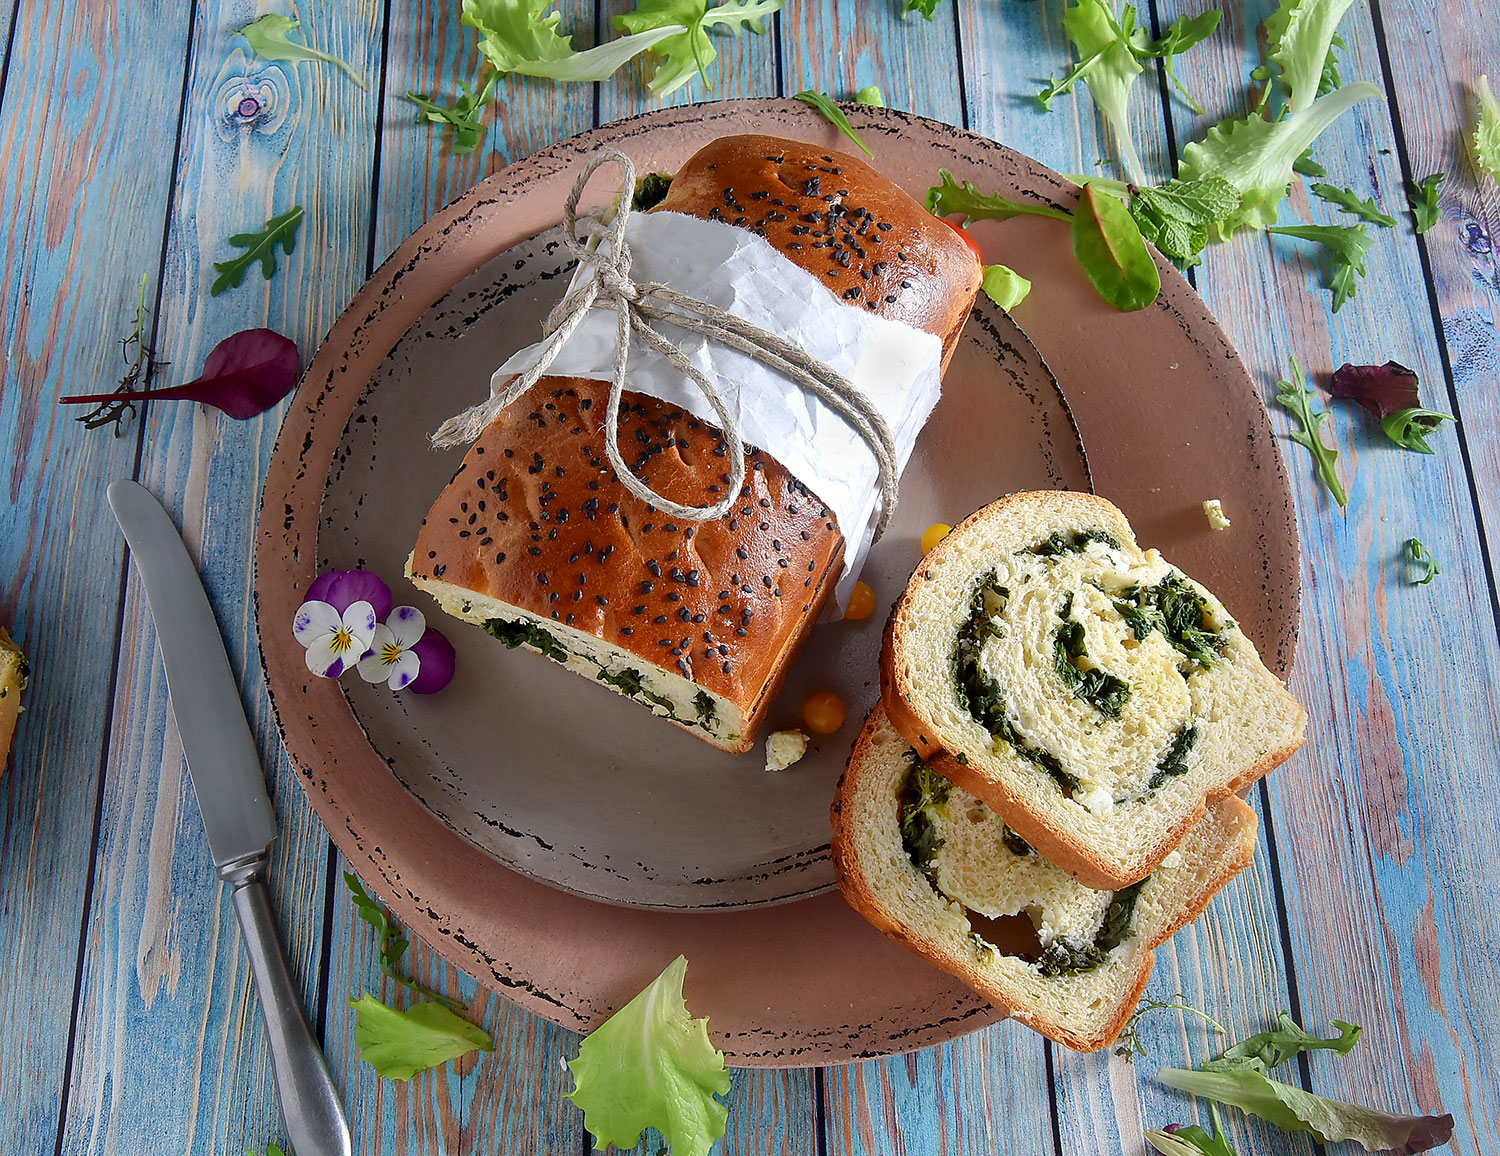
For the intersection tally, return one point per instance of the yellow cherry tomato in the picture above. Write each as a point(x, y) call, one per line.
point(934, 534)
point(861, 603)
point(823, 712)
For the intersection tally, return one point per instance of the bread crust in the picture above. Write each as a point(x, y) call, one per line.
point(535, 517)
point(1055, 840)
point(863, 896)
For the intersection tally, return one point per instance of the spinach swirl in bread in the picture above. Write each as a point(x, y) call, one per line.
point(1087, 690)
point(536, 539)
point(940, 873)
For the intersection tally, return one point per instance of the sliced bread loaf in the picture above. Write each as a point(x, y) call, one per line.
point(940, 873)
point(1093, 695)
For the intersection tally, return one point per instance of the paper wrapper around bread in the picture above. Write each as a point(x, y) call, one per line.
point(895, 365)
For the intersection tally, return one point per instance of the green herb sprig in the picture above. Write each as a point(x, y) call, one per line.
point(1297, 399)
point(835, 116)
point(1418, 555)
point(1422, 199)
point(280, 232)
point(393, 944)
point(140, 366)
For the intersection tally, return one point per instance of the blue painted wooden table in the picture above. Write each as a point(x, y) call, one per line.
point(127, 1023)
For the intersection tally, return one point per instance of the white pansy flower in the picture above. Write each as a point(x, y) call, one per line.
point(334, 641)
point(391, 659)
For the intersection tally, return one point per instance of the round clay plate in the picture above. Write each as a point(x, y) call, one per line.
point(557, 841)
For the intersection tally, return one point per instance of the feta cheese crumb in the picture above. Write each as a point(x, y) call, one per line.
point(1173, 859)
point(1099, 800)
point(1217, 519)
point(783, 748)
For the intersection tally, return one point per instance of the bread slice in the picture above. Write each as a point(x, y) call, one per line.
point(1061, 958)
point(13, 675)
point(536, 539)
point(1094, 696)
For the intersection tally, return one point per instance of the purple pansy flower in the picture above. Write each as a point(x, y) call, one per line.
point(343, 588)
point(435, 653)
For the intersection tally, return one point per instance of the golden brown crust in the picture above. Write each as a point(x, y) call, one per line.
point(855, 230)
point(1060, 844)
point(535, 517)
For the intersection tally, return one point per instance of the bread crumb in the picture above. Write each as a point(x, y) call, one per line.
point(1216, 516)
point(783, 748)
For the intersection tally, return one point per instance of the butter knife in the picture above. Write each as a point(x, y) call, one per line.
point(231, 787)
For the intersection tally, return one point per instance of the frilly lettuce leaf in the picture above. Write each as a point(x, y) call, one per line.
point(652, 1065)
point(521, 36)
point(1298, 1111)
point(1487, 130)
point(1256, 156)
point(688, 51)
point(1095, 32)
point(1004, 286)
point(1301, 33)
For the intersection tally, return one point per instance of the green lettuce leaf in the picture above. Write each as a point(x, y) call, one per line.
point(520, 36)
point(1193, 1140)
point(1298, 1111)
point(268, 40)
point(652, 1065)
point(1487, 130)
point(1101, 39)
point(402, 1043)
point(1004, 286)
point(1267, 1049)
point(688, 51)
point(1112, 252)
point(1256, 156)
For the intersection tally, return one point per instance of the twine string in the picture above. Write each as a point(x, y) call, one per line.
point(610, 286)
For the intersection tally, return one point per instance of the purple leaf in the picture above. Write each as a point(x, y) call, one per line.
point(244, 375)
point(341, 589)
point(1381, 389)
point(438, 662)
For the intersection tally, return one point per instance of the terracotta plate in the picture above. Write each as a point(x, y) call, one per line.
point(495, 817)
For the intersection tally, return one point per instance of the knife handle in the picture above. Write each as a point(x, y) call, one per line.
point(310, 1106)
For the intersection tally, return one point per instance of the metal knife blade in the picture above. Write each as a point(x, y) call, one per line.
point(216, 740)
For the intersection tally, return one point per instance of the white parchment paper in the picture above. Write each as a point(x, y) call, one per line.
point(896, 365)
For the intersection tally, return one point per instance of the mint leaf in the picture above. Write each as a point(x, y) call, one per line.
point(1176, 216)
point(835, 116)
point(1346, 246)
point(1112, 252)
point(1349, 201)
point(652, 1065)
point(268, 40)
point(688, 51)
point(1487, 130)
point(400, 1044)
point(1267, 1049)
point(1004, 286)
point(1422, 199)
point(259, 247)
point(521, 36)
point(950, 199)
point(1294, 397)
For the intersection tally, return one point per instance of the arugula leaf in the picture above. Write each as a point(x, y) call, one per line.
point(1422, 199)
point(1109, 246)
point(1004, 286)
point(1307, 167)
point(1346, 246)
point(1298, 1111)
point(1417, 555)
point(463, 115)
point(521, 36)
point(950, 199)
point(1349, 201)
point(927, 8)
point(688, 51)
point(870, 94)
point(652, 1065)
point(1487, 130)
point(1409, 428)
point(399, 1044)
point(1193, 1139)
point(1256, 156)
point(835, 116)
point(268, 40)
point(1297, 399)
point(393, 944)
point(279, 231)
point(1267, 1049)
point(1106, 43)
point(1176, 216)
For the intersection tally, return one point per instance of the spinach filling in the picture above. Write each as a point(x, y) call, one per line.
point(628, 681)
point(1103, 691)
point(1174, 761)
point(1070, 957)
point(922, 792)
point(651, 191)
point(981, 696)
point(1015, 844)
point(1058, 543)
point(1178, 611)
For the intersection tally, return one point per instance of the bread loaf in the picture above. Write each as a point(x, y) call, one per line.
point(940, 873)
point(13, 675)
point(1090, 693)
point(536, 539)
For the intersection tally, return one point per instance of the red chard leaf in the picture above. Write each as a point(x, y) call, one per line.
point(1381, 389)
point(244, 375)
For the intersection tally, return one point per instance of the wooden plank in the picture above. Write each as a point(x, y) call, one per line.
point(82, 224)
point(1384, 839)
point(167, 1002)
